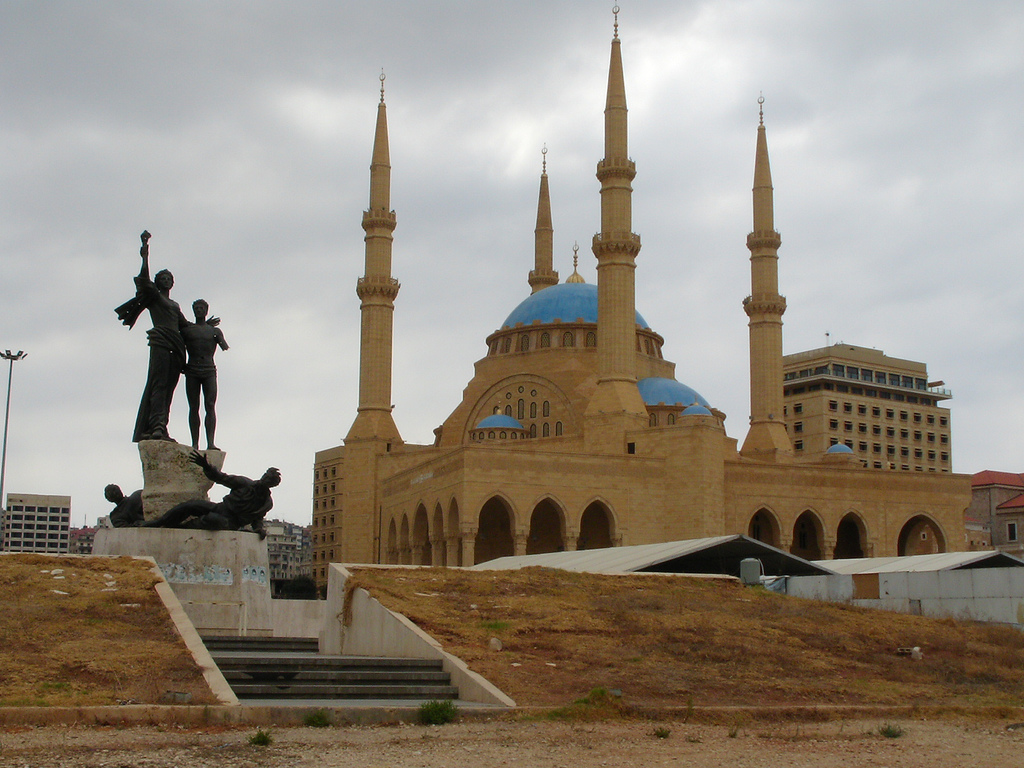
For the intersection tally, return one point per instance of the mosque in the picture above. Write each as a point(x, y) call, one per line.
point(575, 434)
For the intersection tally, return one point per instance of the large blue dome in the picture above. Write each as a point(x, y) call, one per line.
point(499, 421)
point(566, 302)
point(656, 390)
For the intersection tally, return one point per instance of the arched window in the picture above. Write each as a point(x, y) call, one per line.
point(508, 410)
point(558, 429)
point(494, 347)
point(502, 435)
point(506, 344)
point(533, 430)
point(522, 410)
point(591, 339)
point(524, 343)
point(671, 418)
point(533, 410)
point(648, 347)
point(546, 409)
point(568, 340)
point(491, 434)
point(545, 339)
point(654, 419)
point(546, 430)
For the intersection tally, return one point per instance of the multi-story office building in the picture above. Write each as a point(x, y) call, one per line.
point(884, 409)
point(80, 541)
point(289, 550)
point(36, 523)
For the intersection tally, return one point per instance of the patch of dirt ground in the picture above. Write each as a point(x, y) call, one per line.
point(676, 641)
point(81, 631)
point(538, 744)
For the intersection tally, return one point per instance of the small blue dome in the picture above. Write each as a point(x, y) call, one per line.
point(839, 448)
point(566, 302)
point(655, 390)
point(499, 421)
point(696, 410)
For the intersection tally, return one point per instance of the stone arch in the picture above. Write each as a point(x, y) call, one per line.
point(920, 535)
point(404, 547)
point(547, 528)
point(851, 537)
point(808, 535)
point(454, 533)
point(597, 527)
point(764, 526)
point(391, 555)
point(438, 550)
point(421, 552)
point(494, 530)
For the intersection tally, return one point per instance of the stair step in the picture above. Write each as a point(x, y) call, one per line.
point(425, 692)
point(291, 668)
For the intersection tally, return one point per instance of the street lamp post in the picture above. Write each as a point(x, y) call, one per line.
point(11, 356)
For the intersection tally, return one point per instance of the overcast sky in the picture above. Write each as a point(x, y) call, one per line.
point(239, 134)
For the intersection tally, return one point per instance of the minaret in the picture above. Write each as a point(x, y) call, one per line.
point(377, 290)
point(767, 439)
point(543, 273)
point(616, 403)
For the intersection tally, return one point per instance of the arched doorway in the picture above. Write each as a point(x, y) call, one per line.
point(437, 536)
point(764, 527)
point(596, 528)
point(404, 547)
point(421, 538)
point(807, 536)
point(494, 531)
point(454, 531)
point(851, 537)
point(920, 536)
point(391, 554)
point(547, 529)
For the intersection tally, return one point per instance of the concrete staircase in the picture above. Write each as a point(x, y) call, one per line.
point(283, 671)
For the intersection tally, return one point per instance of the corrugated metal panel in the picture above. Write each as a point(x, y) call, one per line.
point(610, 560)
point(944, 561)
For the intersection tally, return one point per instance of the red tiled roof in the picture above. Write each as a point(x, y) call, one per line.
point(991, 477)
point(1015, 503)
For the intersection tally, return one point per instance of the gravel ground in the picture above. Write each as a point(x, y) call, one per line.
point(960, 744)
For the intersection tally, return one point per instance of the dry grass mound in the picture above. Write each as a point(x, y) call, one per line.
point(80, 631)
point(667, 640)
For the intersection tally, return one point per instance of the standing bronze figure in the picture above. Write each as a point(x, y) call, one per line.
point(166, 346)
point(201, 340)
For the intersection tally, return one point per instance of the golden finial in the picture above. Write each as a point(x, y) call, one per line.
point(383, 77)
point(760, 108)
point(544, 158)
point(575, 277)
point(615, 10)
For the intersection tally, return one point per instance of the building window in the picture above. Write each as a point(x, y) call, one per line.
point(546, 409)
point(533, 410)
point(847, 407)
point(545, 339)
point(568, 340)
point(558, 429)
point(848, 426)
point(890, 413)
point(546, 430)
point(798, 445)
point(833, 405)
point(862, 409)
point(653, 420)
point(862, 428)
point(524, 343)
point(890, 432)
point(1011, 531)
point(833, 424)
point(591, 339)
point(798, 407)
point(798, 426)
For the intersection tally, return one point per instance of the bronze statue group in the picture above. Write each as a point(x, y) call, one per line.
point(176, 346)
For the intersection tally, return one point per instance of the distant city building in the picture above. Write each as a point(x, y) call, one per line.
point(36, 523)
point(80, 541)
point(289, 549)
point(882, 408)
point(997, 502)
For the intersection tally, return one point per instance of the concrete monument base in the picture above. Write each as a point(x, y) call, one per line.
point(221, 578)
point(169, 478)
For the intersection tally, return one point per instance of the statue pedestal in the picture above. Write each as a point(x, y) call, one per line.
point(169, 478)
point(222, 578)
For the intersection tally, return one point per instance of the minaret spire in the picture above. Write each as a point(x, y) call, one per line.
point(616, 404)
point(767, 439)
point(377, 290)
point(543, 273)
